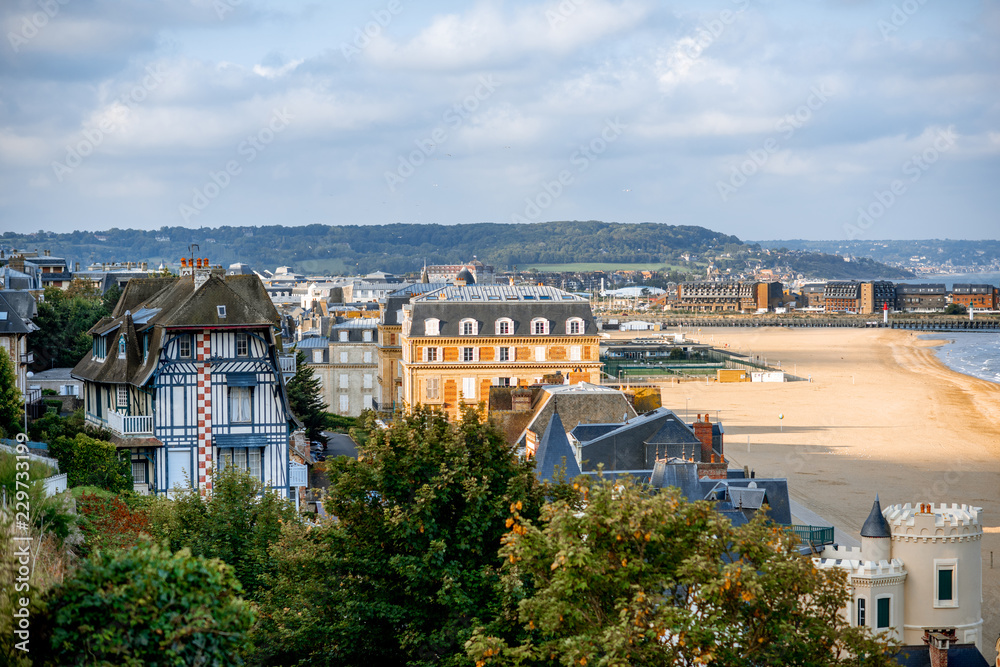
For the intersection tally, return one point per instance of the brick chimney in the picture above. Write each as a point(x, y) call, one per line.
point(937, 646)
point(520, 400)
point(703, 431)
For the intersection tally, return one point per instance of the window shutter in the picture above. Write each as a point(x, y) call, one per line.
point(475, 354)
point(440, 354)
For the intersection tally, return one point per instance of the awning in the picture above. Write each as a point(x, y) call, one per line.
point(243, 440)
point(241, 379)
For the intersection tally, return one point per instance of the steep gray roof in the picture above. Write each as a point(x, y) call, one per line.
point(154, 305)
point(554, 450)
point(449, 313)
point(875, 524)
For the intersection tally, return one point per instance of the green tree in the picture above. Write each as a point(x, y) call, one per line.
point(645, 578)
point(88, 461)
point(63, 321)
point(237, 523)
point(146, 606)
point(955, 309)
point(305, 397)
point(411, 564)
point(11, 404)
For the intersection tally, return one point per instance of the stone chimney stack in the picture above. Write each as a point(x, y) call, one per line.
point(703, 431)
point(520, 400)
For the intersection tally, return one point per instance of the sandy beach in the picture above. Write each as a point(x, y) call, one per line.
point(881, 415)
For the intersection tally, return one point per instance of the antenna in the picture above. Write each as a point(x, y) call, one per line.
point(191, 249)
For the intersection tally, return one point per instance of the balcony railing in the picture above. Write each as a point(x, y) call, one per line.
point(127, 425)
point(28, 358)
point(286, 362)
point(813, 535)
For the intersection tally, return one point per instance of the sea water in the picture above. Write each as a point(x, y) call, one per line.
point(973, 353)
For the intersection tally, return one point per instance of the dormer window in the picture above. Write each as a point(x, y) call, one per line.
point(505, 326)
point(121, 346)
point(432, 327)
point(574, 326)
point(468, 327)
point(366, 336)
point(540, 326)
point(222, 312)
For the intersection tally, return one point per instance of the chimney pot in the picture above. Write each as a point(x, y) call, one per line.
point(184, 263)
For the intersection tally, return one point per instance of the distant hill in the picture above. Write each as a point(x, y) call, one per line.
point(401, 248)
point(946, 255)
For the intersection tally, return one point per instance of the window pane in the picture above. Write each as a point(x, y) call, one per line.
point(139, 472)
point(944, 584)
point(883, 613)
point(861, 613)
point(255, 457)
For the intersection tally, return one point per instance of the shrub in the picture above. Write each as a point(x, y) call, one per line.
point(146, 606)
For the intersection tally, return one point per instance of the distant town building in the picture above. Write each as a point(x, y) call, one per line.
point(346, 362)
point(728, 296)
point(980, 297)
point(921, 298)
point(446, 273)
point(17, 309)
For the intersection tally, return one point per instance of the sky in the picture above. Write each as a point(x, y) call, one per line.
point(836, 119)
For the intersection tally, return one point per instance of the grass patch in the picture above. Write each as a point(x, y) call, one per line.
point(8, 472)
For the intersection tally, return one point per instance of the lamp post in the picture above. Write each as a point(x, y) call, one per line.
point(687, 413)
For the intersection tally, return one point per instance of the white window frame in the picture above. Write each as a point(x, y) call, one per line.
point(140, 465)
point(344, 381)
point(432, 354)
point(221, 310)
point(503, 382)
point(576, 353)
point(317, 356)
point(432, 327)
point(504, 321)
point(575, 321)
point(509, 352)
point(121, 398)
point(946, 564)
point(368, 356)
point(344, 336)
point(366, 336)
point(121, 346)
point(343, 357)
point(468, 327)
point(344, 403)
point(184, 341)
point(539, 353)
point(539, 327)
point(470, 355)
point(242, 344)
point(861, 612)
point(240, 410)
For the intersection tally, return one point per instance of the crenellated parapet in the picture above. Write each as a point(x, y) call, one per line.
point(929, 522)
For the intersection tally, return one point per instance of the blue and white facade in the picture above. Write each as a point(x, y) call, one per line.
point(191, 387)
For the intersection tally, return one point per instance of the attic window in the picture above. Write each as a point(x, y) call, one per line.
point(222, 311)
point(121, 346)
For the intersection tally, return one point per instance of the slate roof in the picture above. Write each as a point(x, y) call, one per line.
point(19, 307)
point(173, 303)
point(875, 524)
point(554, 450)
point(578, 403)
point(960, 655)
point(489, 303)
point(775, 496)
point(587, 432)
point(624, 448)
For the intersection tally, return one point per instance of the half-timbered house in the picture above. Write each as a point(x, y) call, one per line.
point(187, 374)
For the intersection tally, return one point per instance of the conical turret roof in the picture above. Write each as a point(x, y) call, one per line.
point(875, 524)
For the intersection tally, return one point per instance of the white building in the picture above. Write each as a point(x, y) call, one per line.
point(918, 571)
